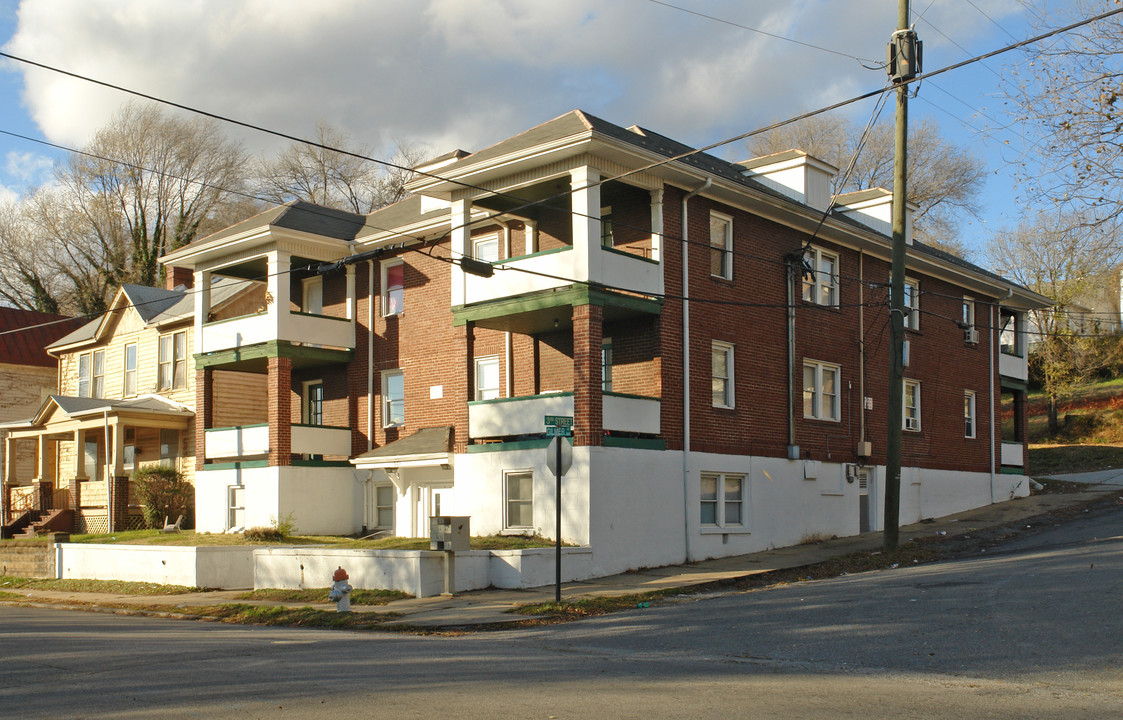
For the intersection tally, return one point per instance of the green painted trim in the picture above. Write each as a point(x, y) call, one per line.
point(496, 401)
point(508, 261)
point(273, 348)
point(325, 427)
point(318, 315)
point(635, 443)
point(320, 463)
point(244, 464)
point(235, 427)
point(629, 396)
point(1012, 471)
point(1014, 384)
point(571, 295)
point(631, 255)
point(507, 446)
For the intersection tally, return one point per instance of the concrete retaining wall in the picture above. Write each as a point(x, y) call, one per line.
point(228, 568)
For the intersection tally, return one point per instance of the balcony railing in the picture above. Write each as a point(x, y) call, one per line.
point(507, 417)
point(561, 267)
point(1013, 454)
point(234, 442)
point(321, 440)
point(322, 330)
point(1013, 366)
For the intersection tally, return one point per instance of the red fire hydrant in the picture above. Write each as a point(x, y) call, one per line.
point(340, 591)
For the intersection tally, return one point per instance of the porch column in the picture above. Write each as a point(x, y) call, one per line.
point(461, 243)
point(588, 408)
point(204, 412)
point(202, 306)
point(9, 460)
point(657, 225)
point(279, 393)
point(42, 462)
point(280, 290)
point(118, 434)
point(117, 496)
point(585, 202)
point(80, 455)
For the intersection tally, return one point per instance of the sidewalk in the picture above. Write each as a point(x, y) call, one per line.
point(487, 607)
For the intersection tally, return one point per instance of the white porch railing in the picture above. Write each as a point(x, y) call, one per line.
point(321, 440)
point(1012, 366)
point(1012, 454)
point(293, 327)
point(235, 442)
point(525, 415)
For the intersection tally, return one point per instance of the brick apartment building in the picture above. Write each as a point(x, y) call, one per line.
point(721, 346)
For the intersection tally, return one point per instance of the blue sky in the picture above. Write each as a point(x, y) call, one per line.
point(466, 73)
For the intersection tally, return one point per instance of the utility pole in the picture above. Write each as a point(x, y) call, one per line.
point(904, 65)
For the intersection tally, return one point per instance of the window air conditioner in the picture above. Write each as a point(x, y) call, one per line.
point(971, 335)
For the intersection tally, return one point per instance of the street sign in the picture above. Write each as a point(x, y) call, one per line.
point(555, 431)
point(559, 464)
point(559, 420)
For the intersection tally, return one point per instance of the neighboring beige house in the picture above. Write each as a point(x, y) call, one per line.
point(125, 399)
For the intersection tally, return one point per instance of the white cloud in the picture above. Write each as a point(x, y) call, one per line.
point(29, 168)
point(461, 73)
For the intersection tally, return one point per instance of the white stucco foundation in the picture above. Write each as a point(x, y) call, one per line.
point(227, 568)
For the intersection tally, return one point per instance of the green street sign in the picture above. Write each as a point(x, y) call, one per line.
point(560, 420)
point(555, 431)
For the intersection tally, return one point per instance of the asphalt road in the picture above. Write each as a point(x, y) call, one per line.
point(1030, 631)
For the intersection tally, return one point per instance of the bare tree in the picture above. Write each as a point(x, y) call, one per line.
point(29, 278)
point(944, 180)
point(336, 179)
point(1068, 95)
point(1067, 261)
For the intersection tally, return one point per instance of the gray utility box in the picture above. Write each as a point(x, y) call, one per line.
point(447, 532)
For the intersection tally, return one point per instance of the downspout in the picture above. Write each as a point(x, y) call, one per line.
point(992, 323)
point(370, 357)
point(862, 347)
point(686, 369)
point(793, 268)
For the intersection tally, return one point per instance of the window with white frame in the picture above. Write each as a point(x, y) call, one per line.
point(912, 304)
point(172, 367)
point(84, 366)
point(968, 414)
point(312, 295)
point(911, 400)
point(98, 384)
point(721, 374)
point(820, 277)
point(969, 319)
point(820, 390)
point(487, 377)
point(723, 500)
point(384, 507)
point(393, 287)
point(237, 506)
point(606, 364)
point(519, 499)
point(130, 370)
point(393, 398)
point(486, 248)
point(721, 246)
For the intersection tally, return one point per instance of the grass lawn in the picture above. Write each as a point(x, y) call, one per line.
point(192, 538)
point(117, 587)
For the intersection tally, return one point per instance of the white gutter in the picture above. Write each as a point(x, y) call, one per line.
point(686, 370)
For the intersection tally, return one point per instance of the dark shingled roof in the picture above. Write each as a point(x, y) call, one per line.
point(27, 346)
point(427, 441)
point(301, 216)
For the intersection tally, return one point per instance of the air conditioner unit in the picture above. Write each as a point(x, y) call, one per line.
point(971, 335)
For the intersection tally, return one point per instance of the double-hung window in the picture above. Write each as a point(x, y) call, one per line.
point(172, 367)
point(970, 334)
point(130, 370)
point(721, 374)
point(393, 287)
point(721, 246)
point(820, 390)
point(393, 398)
point(519, 499)
point(91, 374)
point(84, 375)
point(487, 377)
point(820, 277)
point(384, 507)
point(486, 248)
point(911, 400)
point(912, 304)
point(723, 500)
point(968, 413)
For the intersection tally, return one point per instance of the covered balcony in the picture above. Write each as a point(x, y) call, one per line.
point(518, 416)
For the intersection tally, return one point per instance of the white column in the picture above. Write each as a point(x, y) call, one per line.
point(586, 223)
point(461, 247)
point(279, 290)
point(351, 300)
point(657, 225)
point(202, 305)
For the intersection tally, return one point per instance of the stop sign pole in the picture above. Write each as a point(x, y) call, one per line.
point(558, 427)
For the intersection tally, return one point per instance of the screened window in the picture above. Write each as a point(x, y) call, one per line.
point(721, 374)
point(393, 398)
point(721, 246)
point(520, 499)
point(723, 500)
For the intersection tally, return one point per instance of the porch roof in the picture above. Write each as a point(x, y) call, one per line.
point(426, 447)
point(79, 408)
